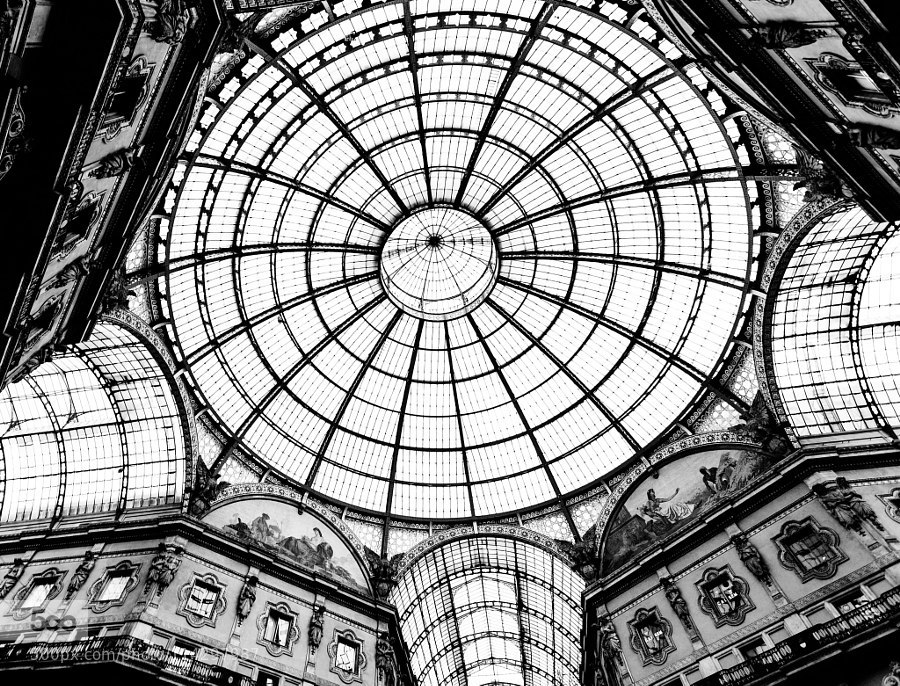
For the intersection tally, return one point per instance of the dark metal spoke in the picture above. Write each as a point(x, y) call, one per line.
point(459, 424)
point(351, 393)
point(414, 72)
point(646, 343)
point(204, 350)
point(705, 176)
point(287, 182)
point(537, 25)
point(622, 97)
point(589, 393)
point(323, 107)
point(708, 275)
point(389, 504)
point(282, 383)
point(515, 402)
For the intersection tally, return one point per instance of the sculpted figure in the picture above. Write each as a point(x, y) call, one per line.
point(81, 574)
point(246, 599)
point(12, 575)
point(751, 558)
point(164, 566)
point(316, 623)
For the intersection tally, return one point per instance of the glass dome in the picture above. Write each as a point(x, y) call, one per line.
point(453, 259)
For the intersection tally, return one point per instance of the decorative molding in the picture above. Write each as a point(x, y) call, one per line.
point(827, 568)
point(293, 635)
point(651, 636)
point(724, 596)
point(347, 636)
point(123, 568)
point(520, 533)
point(184, 595)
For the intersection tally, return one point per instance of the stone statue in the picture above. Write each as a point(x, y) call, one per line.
point(81, 574)
point(846, 505)
point(246, 598)
point(206, 487)
point(384, 572)
point(116, 294)
point(679, 604)
point(115, 164)
point(13, 574)
point(385, 662)
point(163, 567)
point(786, 34)
point(751, 558)
point(316, 622)
point(761, 427)
point(583, 554)
point(609, 654)
point(171, 21)
point(821, 183)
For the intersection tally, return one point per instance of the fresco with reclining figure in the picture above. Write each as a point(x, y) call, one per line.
point(685, 488)
point(300, 536)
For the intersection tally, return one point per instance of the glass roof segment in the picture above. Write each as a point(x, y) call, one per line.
point(103, 420)
point(455, 259)
point(491, 609)
point(834, 328)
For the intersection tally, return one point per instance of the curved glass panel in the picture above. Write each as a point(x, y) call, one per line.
point(94, 430)
point(491, 610)
point(451, 259)
point(834, 328)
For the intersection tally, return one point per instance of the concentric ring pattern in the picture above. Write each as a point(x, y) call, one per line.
point(609, 189)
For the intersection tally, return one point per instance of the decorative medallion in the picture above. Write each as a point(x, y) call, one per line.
point(651, 636)
point(724, 596)
point(809, 550)
point(202, 600)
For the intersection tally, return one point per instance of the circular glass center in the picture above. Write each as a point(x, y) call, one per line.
point(438, 263)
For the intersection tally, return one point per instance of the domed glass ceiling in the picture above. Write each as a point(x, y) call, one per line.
point(453, 259)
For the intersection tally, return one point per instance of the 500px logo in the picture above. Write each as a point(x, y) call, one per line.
point(39, 622)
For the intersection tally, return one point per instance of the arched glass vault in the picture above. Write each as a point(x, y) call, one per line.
point(491, 609)
point(98, 428)
point(833, 331)
point(455, 259)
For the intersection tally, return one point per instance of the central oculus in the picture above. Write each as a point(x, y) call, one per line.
point(439, 263)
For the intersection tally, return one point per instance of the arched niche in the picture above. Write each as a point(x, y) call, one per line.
point(277, 520)
point(679, 485)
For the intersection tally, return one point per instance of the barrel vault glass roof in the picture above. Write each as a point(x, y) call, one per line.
point(491, 610)
point(451, 259)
